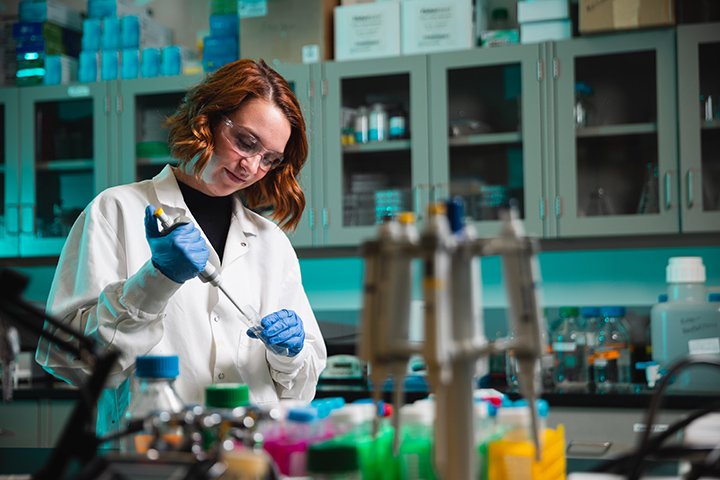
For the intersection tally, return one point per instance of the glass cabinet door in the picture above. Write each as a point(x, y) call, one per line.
point(376, 157)
point(9, 173)
point(304, 81)
point(616, 133)
point(142, 106)
point(699, 110)
point(485, 126)
point(64, 160)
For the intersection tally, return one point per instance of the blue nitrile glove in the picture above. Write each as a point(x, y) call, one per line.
point(282, 329)
point(179, 253)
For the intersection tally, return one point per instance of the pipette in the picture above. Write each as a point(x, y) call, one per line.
point(210, 275)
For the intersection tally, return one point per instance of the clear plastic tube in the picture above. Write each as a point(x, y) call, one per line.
point(255, 322)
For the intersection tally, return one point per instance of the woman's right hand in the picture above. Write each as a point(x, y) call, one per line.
point(180, 253)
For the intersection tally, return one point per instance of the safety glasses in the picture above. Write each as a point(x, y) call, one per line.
point(247, 144)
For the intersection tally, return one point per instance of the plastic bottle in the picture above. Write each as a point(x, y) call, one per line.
point(378, 123)
point(569, 346)
point(686, 324)
point(153, 392)
point(590, 320)
point(334, 460)
point(289, 448)
point(245, 464)
point(415, 456)
point(397, 124)
point(612, 353)
point(362, 126)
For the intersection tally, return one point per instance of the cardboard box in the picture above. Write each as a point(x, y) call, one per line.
point(541, 10)
point(436, 26)
point(367, 30)
point(604, 15)
point(290, 28)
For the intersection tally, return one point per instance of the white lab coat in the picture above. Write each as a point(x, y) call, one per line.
point(107, 287)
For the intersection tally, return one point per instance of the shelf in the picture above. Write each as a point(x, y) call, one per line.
point(616, 130)
point(155, 161)
point(66, 165)
point(372, 147)
point(711, 125)
point(485, 139)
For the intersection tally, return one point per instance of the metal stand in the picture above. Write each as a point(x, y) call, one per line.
point(454, 339)
point(78, 440)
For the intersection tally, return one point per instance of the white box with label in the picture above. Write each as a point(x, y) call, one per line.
point(367, 30)
point(436, 25)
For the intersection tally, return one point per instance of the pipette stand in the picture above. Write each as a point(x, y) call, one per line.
point(453, 340)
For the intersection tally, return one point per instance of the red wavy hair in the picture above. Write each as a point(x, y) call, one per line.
point(221, 93)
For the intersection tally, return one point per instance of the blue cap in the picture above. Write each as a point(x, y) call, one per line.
point(302, 415)
point(662, 298)
point(157, 366)
point(612, 311)
point(456, 213)
point(713, 297)
point(588, 312)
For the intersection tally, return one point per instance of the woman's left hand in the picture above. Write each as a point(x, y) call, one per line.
point(283, 329)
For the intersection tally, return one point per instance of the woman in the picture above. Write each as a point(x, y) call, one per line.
point(239, 138)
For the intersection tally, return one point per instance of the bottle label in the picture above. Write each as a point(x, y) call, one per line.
point(564, 346)
point(704, 346)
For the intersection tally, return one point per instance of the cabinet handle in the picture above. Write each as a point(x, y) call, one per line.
point(541, 205)
point(592, 449)
point(690, 192)
point(311, 218)
point(668, 190)
point(23, 208)
point(558, 206)
point(13, 219)
point(325, 217)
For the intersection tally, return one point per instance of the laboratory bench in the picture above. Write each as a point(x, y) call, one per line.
point(597, 427)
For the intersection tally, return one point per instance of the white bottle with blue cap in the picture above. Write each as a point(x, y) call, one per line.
point(687, 324)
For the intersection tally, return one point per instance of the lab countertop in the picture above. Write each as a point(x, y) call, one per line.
point(633, 401)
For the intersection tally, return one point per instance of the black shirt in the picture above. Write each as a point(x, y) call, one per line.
point(213, 215)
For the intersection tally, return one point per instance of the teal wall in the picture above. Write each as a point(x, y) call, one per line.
point(598, 277)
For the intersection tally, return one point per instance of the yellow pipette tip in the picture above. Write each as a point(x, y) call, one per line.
point(159, 212)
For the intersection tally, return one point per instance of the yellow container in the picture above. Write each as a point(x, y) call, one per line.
point(510, 460)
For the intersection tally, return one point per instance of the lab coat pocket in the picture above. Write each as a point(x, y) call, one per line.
point(253, 368)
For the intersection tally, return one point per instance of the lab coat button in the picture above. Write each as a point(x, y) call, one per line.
point(221, 375)
point(243, 244)
point(216, 318)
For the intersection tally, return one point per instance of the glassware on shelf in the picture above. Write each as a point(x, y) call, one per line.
point(362, 125)
point(397, 124)
point(708, 107)
point(612, 352)
point(569, 346)
point(583, 104)
point(599, 203)
point(649, 196)
point(378, 123)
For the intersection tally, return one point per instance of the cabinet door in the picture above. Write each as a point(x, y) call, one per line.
point(616, 135)
point(699, 78)
point(485, 126)
point(64, 160)
point(369, 173)
point(20, 424)
point(9, 173)
point(142, 105)
point(302, 80)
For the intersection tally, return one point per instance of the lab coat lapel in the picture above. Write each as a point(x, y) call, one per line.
point(240, 236)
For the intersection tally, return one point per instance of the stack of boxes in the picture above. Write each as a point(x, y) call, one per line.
point(121, 41)
point(544, 20)
point(222, 46)
point(47, 43)
point(391, 28)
